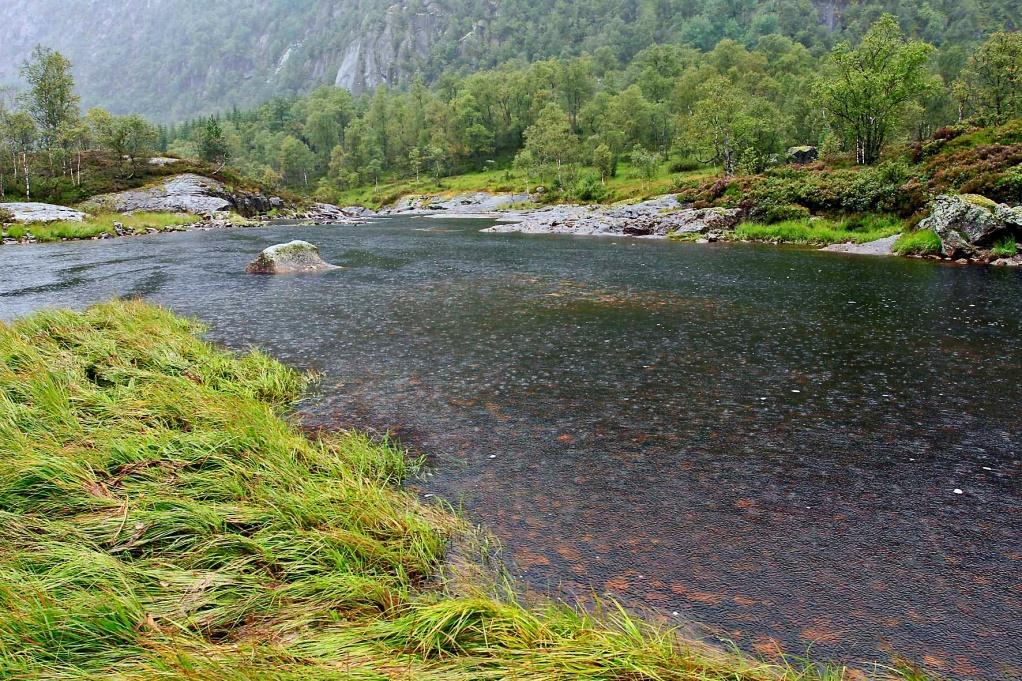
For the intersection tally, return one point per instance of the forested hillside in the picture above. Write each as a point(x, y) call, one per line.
point(171, 59)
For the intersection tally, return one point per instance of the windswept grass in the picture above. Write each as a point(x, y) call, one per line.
point(101, 224)
point(821, 232)
point(162, 521)
point(919, 242)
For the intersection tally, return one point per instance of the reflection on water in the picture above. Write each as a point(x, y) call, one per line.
point(768, 441)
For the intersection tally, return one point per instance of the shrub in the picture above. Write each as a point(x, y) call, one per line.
point(685, 165)
point(589, 187)
point(791, 211)
point(6, 216)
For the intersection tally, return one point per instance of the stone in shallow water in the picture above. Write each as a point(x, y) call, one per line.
point(289, 258)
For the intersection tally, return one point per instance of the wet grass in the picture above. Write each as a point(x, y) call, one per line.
point(1005, 248)
point(101, 224)
point(822, 232)
point(163, 520)
point(919, 242)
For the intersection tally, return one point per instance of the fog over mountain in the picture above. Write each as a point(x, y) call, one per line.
point(171, 59)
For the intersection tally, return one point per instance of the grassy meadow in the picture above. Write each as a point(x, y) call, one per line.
point(164, 519)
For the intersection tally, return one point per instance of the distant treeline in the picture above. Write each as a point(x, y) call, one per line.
point(730, 106)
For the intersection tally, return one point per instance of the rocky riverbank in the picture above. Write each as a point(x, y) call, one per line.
point(182, 202)
point(968, 229)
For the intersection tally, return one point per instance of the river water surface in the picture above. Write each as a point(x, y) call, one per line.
point(810, 450)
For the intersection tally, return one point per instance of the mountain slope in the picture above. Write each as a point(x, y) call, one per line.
point(170, 59)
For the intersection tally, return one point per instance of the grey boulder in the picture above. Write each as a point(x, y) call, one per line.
point(41, 212)
point(803, 155)
point(290, 258)
point(968, 225)
point(188, 193)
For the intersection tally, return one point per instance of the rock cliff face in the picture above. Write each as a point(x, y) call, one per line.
point(171, 59)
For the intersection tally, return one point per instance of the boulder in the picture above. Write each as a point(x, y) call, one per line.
point(188, 193)
point(803, 155)
point(968, 225)
point(41, 212)
point(289, 258)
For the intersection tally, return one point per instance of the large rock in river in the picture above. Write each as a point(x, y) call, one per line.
point(969, 225)
point(289, 258)
point(41, 212)
point(188, 193)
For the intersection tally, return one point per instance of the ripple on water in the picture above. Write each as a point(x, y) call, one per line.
point(765, 441)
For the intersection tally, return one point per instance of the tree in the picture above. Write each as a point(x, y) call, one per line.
point(550, 140)
point(731, 128)
point(213, 146)
point(991, 83)
point(51, 99)
point(416, 161)
point(647, 162)
point(296, 161)
point(21, 134)
point(605, 161)
point(867, 89)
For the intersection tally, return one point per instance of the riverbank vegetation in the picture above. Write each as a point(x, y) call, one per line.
point(821, 232)
point(571, 125)
point(163, 521)
point(108, 224)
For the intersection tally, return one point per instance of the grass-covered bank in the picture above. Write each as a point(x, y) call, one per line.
point(105, 224)
point(163, 521)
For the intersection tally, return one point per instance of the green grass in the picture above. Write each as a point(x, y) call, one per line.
point(821, 232)
point(919, 242)
point(1005, 248)
point(628, 185)
point(102, 224)
point(162, 520)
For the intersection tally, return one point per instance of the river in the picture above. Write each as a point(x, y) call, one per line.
point(792, 448)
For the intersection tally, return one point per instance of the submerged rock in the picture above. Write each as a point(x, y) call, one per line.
point(41, 212)
point(289, 258)
point(968, 225)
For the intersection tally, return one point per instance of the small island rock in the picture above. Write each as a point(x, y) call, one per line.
point(289, 258)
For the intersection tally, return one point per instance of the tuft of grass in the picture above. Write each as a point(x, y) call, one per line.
point(163, 520)
point(101, 224)
point(1005, 248)
point(821, 232)
point(919, 242)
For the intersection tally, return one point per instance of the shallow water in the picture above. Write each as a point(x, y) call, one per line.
point(764, 440)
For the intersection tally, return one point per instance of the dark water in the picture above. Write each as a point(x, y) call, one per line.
point(767, 441)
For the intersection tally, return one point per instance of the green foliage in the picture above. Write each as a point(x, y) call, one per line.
point(1005, 248)
point(819, 232)
point(919, 242)
point(867, 90)
point(213, 145)
point(991, 84)
point(590, 188)
point(51, 98)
